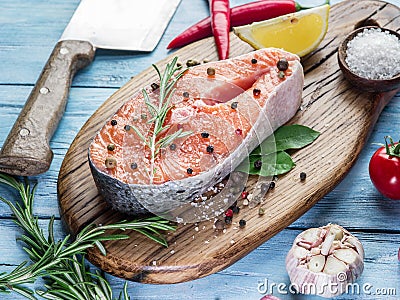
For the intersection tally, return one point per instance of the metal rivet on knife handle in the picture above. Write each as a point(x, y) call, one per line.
point(26, 150)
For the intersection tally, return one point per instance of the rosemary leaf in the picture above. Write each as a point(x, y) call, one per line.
point(101, 248)
point(159, 111)
point(140, 135)
point(27, 293)
point(150, 106)
point(157, 239)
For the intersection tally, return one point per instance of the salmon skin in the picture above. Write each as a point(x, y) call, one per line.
point(228, 107)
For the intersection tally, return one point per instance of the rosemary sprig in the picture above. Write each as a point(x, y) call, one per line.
point(62, 263)
point(159, 112)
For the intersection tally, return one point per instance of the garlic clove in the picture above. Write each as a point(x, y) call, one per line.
point(315, 251)
point(334, 266)
point(300, 252)
point(310, 235)
point(356, 243)
point(316, 263)
point(337, 232)
point(326, 245)
point(325, 256)
point(349, 256)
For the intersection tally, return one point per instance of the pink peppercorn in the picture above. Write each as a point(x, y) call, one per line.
point(229, 213)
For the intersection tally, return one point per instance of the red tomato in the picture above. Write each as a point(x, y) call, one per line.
point(384, 171)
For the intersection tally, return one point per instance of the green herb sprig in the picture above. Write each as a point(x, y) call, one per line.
point(158, 113)
point(272, 152)
point(62, 263)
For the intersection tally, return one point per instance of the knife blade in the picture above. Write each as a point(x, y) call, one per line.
point(109, 24)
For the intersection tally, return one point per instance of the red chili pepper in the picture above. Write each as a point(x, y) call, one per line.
point(240, 15)
point(221, 24)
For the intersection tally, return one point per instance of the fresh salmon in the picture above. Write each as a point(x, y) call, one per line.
point(227, 114)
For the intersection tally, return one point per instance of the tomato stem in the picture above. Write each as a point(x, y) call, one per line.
point(392, 149)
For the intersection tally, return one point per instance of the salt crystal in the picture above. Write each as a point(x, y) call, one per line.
point(374, 54)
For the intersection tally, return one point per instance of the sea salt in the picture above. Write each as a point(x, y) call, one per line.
point(374, 54)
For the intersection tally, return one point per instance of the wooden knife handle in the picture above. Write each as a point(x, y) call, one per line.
point(26, 150)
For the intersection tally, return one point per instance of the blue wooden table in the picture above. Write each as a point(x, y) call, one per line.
point(28, 31)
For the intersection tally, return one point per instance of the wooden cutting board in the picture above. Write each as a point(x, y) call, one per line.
point(342, 114)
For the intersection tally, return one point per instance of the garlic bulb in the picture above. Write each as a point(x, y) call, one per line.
point(324, 261)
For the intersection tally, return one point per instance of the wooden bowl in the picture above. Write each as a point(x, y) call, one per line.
point(362, 83)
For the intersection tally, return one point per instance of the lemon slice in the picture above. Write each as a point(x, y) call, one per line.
point(300, 32)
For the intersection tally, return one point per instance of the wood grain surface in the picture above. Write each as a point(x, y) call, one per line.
point(330, 105)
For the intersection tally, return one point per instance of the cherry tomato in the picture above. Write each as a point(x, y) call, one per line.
point(384, 171)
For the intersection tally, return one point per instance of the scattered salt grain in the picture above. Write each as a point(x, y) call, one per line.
point(374, 54)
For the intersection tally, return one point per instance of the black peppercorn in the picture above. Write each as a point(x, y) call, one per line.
point(185, 94)
point(234, 105)
point(242, 223)
point(127, 127)
point(256, 92)
point(154, 86)
point(258, 164)
point(133, 166)
point(303, 176)
point(210, 149)
point(172, 147)
point(189, 171)
point(236, 209)
point(205, 135)
point(110, 147)
point(114, 122)
point(271, 184)
point(282, 64)
point(253, 61)
point(228, 220)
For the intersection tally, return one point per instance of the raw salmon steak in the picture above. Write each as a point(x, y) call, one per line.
point(226, 112)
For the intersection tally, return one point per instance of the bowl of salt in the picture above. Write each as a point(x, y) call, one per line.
point(369, 58)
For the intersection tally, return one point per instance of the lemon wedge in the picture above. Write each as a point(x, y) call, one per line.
point(300, 32)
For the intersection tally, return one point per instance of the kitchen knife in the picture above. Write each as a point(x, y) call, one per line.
point(111, 24)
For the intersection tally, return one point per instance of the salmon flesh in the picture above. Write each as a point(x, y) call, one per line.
point(227, 109)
